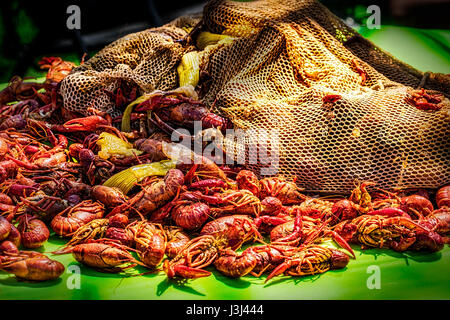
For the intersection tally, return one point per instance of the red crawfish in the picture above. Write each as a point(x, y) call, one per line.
point(202, 168)
point(398, 233)
point(18, 90)
point(343, 210)
point(20, 113)
point(14, 116)
point(415, 206)
point(123, 95)
point(64, 187)
point(14, 236)
point(229, 201)
point(310, 260)
point(5, 228)
point(95, 229)
point(423, 100)
point(267, 257)
point(443, 196)
point(271, 206)
point(272, 213)
point(96, 170)
point(359, 69)
point(150, 241)
point(438, 221)
point(110, 228)
point(235, 230)
point(85, 124)
point(33, 232)
point(58, 69)
point(155, 194)
point(197, 254)
point(234, 264)
point(247, 180)
point(287, 191)
point(185, 210)
point(194, 165)
point(17, 121)
point(7, 247)
point(331, 98)
point(176, 240)
point(190, 215)
point(305, 230)
point(293, 231)
point(178, 109)
point(6, 203)
point(14, 190)
point(4, 148)
point(361, 197)
point(116, 230)
point(104, 255)
point(347, 209)
point(313, 207)
point(8, 170)
point(154, 147)
point(124, 236)
point(30, 265)
point(110, 197)
point(44, 206)
point(210, 186)
point(71, 219)
point(267, 223)
point(383, 194)
point(53, 156)
point(42, 156)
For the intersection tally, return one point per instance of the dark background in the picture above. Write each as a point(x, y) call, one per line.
point(32, 29)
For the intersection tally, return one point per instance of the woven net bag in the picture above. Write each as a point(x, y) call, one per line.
point(286, 57)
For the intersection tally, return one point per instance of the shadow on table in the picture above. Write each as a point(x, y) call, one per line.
point(299, 279)
point(416, 256)
point(16, 282)
point(236, 283)
point(100, 273)
point(178, 284)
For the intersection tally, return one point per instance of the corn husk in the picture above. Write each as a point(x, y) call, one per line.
point(189, 69)
point(206, 38)
point(126, 179)
point(126, 117)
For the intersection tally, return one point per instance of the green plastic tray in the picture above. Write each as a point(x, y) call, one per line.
point(375, 274)
point(409, 275)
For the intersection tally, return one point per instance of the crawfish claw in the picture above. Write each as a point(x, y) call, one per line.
point(89, 123)
point(341, 242)
point(278, 270)
point(186, 272)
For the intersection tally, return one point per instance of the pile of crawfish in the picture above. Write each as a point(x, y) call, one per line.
point(54, 165)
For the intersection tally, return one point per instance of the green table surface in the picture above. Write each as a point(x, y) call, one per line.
point(409, 275)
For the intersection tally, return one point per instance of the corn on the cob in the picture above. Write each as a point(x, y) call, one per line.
point(125, 180)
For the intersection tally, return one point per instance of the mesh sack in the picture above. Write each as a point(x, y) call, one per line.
point(147, 59)
point(287, 56)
